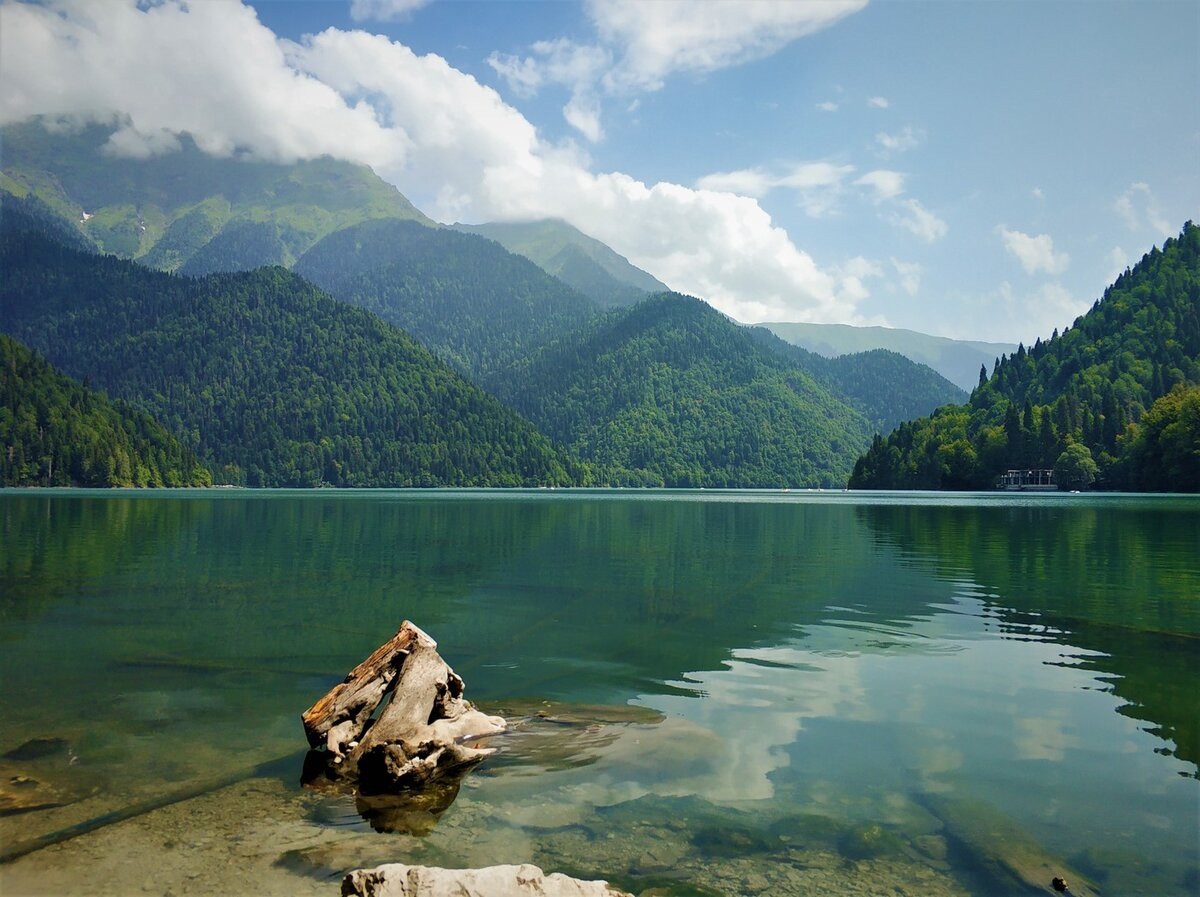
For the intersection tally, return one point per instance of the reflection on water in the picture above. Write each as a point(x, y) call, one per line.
point(801, 682)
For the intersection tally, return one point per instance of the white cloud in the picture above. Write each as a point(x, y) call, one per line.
point(1139, 208)
point(383, 10)
point(450, 144)
point(746, 182)
point(910, 276)
point(878, 102)
point(828, 106)
point(916, 218)
point(641, 44)
point(1037, 194)
point(818, 185)
point(667, 36)
point(908, 138)
point(884, 184)
point(1036, 254)
point(1012, 315)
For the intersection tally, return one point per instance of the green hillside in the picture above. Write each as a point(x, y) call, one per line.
point(57, 432)
point(956, 360)
point(164, 209)
point(884, 386)
point(587, 265)
point(466, 298)
point(675, 393)
point(1110, 400)
point(264, 374)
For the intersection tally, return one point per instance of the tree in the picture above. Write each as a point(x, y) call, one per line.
point(1075, 467)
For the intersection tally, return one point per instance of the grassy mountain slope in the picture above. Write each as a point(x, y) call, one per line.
point(588, 265)
point(956, 360)
point(263, 372)
point(58, 432)
point(164, 209)
point(466, 298)
point(885, 386)
point(673, 391)
point(1079, 401)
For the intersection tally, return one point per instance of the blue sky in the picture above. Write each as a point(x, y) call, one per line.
point(978, 170)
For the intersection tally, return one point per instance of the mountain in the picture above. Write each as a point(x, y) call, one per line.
point(674, 392)
point(465, 297)
point(884, 386)
point(956, 360)
point(165, 209)
point(58, 432)
point(573, 257)
point(1112, 399)
point(264, 373)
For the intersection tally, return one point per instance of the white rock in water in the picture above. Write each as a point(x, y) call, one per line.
point(399, 880)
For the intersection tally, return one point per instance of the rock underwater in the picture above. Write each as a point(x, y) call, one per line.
point(399, 880)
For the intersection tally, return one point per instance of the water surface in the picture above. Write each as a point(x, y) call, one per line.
point(833, 687)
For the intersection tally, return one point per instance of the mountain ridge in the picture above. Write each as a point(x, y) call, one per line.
point(956, 360)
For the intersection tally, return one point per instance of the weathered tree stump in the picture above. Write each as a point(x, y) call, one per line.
point(427, 731)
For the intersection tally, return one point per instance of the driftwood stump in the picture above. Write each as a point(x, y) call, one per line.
point(427, 731)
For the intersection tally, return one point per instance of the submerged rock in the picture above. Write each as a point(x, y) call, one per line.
point(399, 880)
point(21, 793)
point(39, 748)
point(868, 840)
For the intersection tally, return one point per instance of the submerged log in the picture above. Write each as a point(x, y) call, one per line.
point(1002, 849)
point(427, 731)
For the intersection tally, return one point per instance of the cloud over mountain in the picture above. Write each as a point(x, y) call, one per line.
point(451, 144)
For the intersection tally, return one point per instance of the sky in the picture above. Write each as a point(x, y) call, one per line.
point(973, 170)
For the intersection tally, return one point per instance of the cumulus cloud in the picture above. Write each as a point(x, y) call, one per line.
point(908, 138)
point(1139, 208)
point(639, 44)
point(383, 10)
point(450, 144)
point(828, 106)
point(878, 102)
point(1036, 254)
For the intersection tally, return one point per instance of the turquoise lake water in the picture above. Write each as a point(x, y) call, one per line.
point(750, 692)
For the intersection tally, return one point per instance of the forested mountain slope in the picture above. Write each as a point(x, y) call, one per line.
point(1084, 393)
point(956, 360)
point(581, 262)
point(57, 432)
point(264, 373)
point(674, 392)
point(165, 209)
point(465, 297)
point(885, 386)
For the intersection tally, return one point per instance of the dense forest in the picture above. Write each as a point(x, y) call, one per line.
point(272, 382)
point(885, 387)
point(57, 432)
point(1111, 401)
point(582, 263)
point(464, 297)
point(676, 394)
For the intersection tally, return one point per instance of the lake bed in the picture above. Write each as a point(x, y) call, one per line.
point(822, 690)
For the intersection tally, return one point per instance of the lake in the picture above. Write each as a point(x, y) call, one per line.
point(739, 692)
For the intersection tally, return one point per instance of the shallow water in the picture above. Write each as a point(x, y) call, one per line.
point(836, 686)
